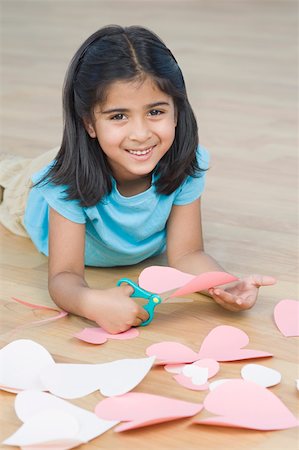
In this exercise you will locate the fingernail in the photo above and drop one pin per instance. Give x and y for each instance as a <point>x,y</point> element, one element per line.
<point>239,302</point>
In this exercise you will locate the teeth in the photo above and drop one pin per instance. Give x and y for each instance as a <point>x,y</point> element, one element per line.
<point>140,152</point>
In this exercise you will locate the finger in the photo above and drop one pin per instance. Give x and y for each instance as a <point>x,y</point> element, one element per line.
<point>226,297</point>
<point>264,280</point>
<point>127,289</point>
<point>143,314</point>
<point>225,305</point>
<point>137,322</point>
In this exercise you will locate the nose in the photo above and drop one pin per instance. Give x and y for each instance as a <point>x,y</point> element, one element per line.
<point>140,130</point>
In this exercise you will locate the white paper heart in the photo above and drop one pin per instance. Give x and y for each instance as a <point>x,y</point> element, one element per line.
<point>264,376</point>
<point>114,378</point>
<point>21,362</point>
<point>198,375</point>
<point>30,403</point>
<point>45,427</point>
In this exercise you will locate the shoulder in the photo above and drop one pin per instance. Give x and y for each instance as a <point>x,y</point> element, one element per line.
<point>203,157</point>
<point>193,186</point>
<point>55,196</point>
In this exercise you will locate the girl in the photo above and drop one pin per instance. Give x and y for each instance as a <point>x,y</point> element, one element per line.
<point>127,180</point>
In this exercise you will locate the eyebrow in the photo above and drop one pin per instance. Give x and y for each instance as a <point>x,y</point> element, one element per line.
<point>122,110</point>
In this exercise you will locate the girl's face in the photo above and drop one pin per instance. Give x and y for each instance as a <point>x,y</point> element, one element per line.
<point>135,127</point>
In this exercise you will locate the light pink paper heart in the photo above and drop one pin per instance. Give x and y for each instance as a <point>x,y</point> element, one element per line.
<point>139,409</point>
<point>160,279</point>
<point>172,353</point>
<point>186,381</point>
<point>203,282</point>
<point>244,404</point>
<point>225,343</point>
<point>97,335</point>
<point>286,316</point>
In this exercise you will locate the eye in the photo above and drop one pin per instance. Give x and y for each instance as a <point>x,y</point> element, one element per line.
<point>119,116</point>
<point>155,112</point>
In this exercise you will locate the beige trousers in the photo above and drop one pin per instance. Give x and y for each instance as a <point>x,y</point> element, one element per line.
<point>15,180</point>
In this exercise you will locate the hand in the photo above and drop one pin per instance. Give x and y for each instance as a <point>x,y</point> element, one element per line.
<point>114,310</point>
<point>243,294</point>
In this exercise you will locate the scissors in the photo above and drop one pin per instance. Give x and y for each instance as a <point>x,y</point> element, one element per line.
<point>153,299</point>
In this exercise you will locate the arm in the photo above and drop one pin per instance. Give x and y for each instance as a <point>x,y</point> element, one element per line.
<point>112,309</point>
<point>185,251</point>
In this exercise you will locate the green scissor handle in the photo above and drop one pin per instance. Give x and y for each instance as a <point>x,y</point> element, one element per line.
<point>153,299</point>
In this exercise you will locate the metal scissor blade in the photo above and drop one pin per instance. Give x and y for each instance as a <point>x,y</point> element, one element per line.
<point>165,296</point>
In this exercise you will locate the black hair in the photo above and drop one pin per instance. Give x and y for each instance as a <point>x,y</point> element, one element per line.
<point>111,54</point>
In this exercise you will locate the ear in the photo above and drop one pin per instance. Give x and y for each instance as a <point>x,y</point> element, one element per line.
<point>89,128</point>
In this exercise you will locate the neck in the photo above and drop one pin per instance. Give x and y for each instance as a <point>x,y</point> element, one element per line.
<point>128,188</point>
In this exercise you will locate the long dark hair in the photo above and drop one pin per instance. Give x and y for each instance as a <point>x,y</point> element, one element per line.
<point>115,53</point>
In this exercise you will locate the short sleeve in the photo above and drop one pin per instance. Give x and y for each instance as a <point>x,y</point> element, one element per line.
<point>56,198</point>
<point>193,187</point>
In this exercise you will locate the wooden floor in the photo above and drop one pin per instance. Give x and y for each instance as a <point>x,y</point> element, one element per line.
<point>240,60</point>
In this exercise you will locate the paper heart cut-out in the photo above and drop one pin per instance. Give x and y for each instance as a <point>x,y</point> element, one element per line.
<point>212,366</point>
<point>203,282</point>
<point>21,362</point>
<point>162,279</point>
<point>194,376</point>
<point>31,404</point>
<point>217,383</point>
<point>261,375</point>
<point>97,335</point>
<point>77,380</point>
<point>139,410</point>
<point>46,427</point>
<point>244,404</point>
<point>169,352</point>
<point>225,343</point>
<point>286,316</point>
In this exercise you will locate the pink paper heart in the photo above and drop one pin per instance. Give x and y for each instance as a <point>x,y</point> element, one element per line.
<point>185,381</point>
<point>203,282</point>
<point>245,404</point>
<point>139,409</point>
<point>97,335</point>
<point>225,343</point>
<point>162,279</point>
<point>172,353</point>
<point>286,316</point>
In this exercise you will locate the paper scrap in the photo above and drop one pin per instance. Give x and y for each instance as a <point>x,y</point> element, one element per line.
<point>195,376</point>
<point>97,335</point>
<point>223,343</point>
<point>264,376</point>
<point>244,404</point>
<point>139,409</point>
<point>77,380</point>
<point>161,279</point>
<point>286,316</point>
<point>51,421</point>
<point>21,362</point>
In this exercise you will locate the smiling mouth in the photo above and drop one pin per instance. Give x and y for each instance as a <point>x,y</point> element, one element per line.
<point>141,152</point>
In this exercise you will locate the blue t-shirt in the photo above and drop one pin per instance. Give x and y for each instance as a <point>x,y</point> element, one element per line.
<point>119,230</point>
